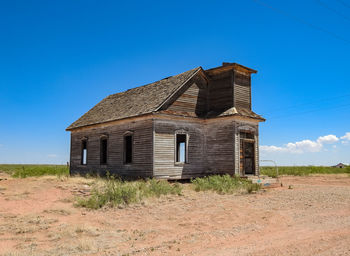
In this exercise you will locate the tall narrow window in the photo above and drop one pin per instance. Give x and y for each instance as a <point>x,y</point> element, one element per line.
<point>83,152</point>
<point>128,149</point>
<point>181,148</point>
<point>103,148</point>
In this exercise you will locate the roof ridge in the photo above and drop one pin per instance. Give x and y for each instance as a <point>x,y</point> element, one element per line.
<point>152,83</point>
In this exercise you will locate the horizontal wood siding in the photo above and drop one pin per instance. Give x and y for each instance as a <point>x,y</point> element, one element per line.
<point>221,92</point>
<point>192,100</point>
<point>164,151</point>
<point>142,165</point>
<point>242,90</point>
<point>192,97</point>
<point>220,147</point>
<point>213,147</point>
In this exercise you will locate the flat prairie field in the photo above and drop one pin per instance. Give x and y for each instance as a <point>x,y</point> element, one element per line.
<point>308,215</point>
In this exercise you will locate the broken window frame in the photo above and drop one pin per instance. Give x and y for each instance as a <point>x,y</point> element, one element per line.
<point>246,135</point>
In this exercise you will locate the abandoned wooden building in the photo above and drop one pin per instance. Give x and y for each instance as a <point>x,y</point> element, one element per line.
<point>193,124</point>
<point>340,165</point>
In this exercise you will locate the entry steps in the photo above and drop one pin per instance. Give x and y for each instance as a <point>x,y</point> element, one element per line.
<point>265,181</point>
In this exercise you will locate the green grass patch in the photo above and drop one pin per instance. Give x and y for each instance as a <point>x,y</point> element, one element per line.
<point>224,184</point>
<point>302,170</point>
<point>113,192</point>
<point>28,170</point>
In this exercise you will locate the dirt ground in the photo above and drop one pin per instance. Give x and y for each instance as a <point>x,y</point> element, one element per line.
<point>37,217</point>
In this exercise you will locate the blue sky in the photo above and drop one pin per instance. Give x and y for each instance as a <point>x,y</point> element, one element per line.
<point>59,58</point>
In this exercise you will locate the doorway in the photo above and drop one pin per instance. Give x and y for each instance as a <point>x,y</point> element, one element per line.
<point>247,159</point>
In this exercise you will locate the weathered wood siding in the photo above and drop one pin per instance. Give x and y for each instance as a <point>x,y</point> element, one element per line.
<point>220,146</point>
<point>213,147</point>
<point>221,91</point>
<point>164,150</point>
<point>142,165</point>
<point>242,90</point>
<point>191,98</point>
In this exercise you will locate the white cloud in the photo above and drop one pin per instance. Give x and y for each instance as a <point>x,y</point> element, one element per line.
<point>329,139</point>
<point>302,146</point>
<point>271,148</point>
<point>346,136</point>
<point>52,155</point>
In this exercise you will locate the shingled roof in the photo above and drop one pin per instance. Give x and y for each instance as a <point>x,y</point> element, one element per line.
<point>134,102</point>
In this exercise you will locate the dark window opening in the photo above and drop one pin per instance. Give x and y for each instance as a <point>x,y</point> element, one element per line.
<point>128,149</point>
<point>247,135</point>
<point>84,152</point>
<point>181,148</point>
<point>103,157</point>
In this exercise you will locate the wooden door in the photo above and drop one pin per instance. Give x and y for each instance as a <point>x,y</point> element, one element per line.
<point>247,160</point>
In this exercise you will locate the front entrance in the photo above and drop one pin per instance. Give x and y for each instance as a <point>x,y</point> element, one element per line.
<point>247,159</point>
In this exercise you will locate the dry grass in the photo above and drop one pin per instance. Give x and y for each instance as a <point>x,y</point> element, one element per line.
<point>62,212</point>
<point>27,170</point>
<point>224,184</point>
<point>114,192</point>
<point>302,170</point>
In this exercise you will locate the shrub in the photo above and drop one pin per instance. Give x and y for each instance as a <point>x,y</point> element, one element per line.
<point>115,192</point>
<point>224,184</point>
<point>162,187</point>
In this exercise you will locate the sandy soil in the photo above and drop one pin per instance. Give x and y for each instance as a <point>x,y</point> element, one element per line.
<point>37,217</point>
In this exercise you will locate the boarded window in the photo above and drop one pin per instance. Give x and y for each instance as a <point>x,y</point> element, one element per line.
<point>128,139</point>
<point>103,148</point>
<point>181,148</point>
<point>83,152</point>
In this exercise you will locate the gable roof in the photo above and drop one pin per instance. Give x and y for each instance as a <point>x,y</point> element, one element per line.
<point>134,102</point>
